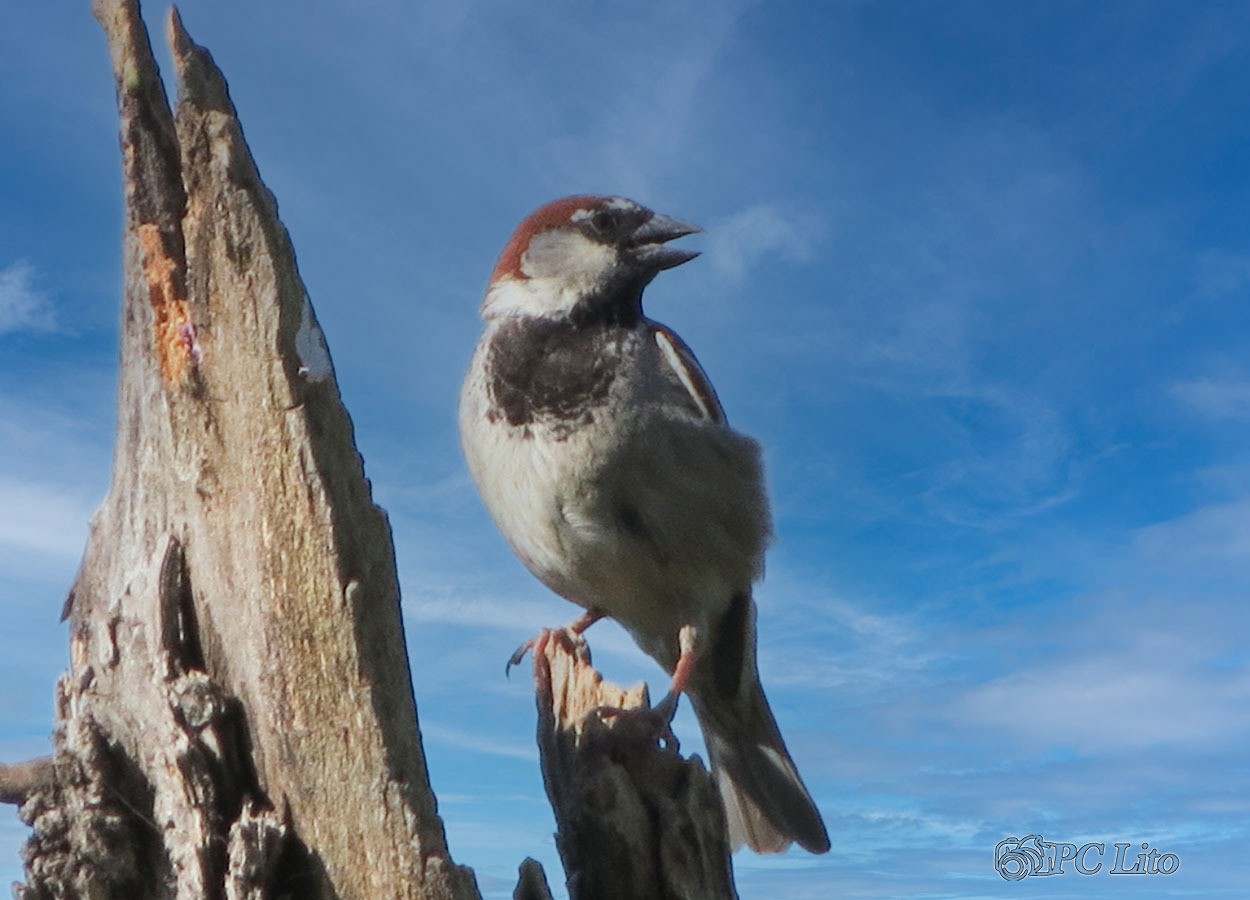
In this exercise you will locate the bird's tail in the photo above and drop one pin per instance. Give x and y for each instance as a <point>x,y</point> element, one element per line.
<point>767,806</point>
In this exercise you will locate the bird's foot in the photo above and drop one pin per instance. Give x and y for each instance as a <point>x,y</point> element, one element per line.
<point>565,635</point>
<point>653,725</point>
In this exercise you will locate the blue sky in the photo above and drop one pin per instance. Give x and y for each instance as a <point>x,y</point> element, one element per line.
<point>976,274</point>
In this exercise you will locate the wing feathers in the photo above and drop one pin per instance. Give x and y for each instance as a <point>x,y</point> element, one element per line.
<point>684,368</point>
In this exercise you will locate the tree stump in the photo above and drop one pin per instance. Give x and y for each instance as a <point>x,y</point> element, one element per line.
<point>238,718</point>
<point>635,820</point>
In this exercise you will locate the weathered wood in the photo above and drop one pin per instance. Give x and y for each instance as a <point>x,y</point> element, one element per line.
<point>636,821</point>
<point>237,720</point>
<point>532,881</point>
<point>19,780</point>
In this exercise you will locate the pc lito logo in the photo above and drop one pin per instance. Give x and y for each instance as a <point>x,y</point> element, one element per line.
<point>1014,857</point>
<point>1031,855</point>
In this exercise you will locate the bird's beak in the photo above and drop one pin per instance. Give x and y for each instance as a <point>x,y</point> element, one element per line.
<point>648,242</point>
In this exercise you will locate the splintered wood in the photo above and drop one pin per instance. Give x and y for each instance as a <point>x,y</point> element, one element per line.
<point>635,819</point>
<point>177,348</point>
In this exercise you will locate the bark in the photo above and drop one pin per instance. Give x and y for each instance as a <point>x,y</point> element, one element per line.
<point>20,780</point>
<point>636,821</point>
<point>237,720</point>
<point>532,883</point>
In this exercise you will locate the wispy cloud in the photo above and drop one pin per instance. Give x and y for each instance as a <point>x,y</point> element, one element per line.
<point>851,647</point>
<point>477,742</point>
<point>923,828</point>
<point>634,125</point>
<point>53,475</point>
<point>1113,703</point>
<point>1210,540</point>
<point>1006,454</point>
<point>743,240</point>
<point>450,607</point>
<point>22,307</point>
<point>521,617</point>
<point>1154,658</point>
<point>1215,398</point>
<point>46,519</point>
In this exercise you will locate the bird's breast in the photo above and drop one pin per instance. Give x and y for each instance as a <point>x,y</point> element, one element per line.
<point>553,372</point>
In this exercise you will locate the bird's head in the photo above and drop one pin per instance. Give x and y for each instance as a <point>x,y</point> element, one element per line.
<point>583,255</point>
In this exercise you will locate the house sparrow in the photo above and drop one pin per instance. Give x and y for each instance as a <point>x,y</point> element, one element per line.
<point>603,455</point>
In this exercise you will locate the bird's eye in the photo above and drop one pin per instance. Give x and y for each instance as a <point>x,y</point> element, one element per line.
<point>602,221</point>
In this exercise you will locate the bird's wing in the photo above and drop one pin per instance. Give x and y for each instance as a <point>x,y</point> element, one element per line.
<point>683,371</point>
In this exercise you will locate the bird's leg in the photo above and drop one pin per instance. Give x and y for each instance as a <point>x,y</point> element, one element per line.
<point>576,629</point>
<point>667,707</point>
<point>657,722</point>
<point>585,621</point>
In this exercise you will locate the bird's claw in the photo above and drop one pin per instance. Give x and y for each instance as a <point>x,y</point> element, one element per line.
<point>566,636</point>
<point>652,725</point>
<point>518,655</point>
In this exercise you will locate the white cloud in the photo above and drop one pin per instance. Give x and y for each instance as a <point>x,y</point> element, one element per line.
<point>746,238</point>
<point>632,126</point>
<point>1155,659</point>
<point>1009,455</point>
<point>845,646</point>
<point>924,827</point>
<point>1213,539</point>
<point>450,608</point>
<point>53,475</point>
<point>22,308</point>
<point>477,743</point>
<point>46,519</point>
<point>524,617</point>
<point>1134,700</point>
<point>1215,398</point>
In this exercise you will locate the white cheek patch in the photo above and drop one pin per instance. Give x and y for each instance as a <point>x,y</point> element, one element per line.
<point>567,255</point>
<point>558,268</point>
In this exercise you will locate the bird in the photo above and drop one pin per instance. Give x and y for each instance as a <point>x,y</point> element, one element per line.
<point>603,454</point>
